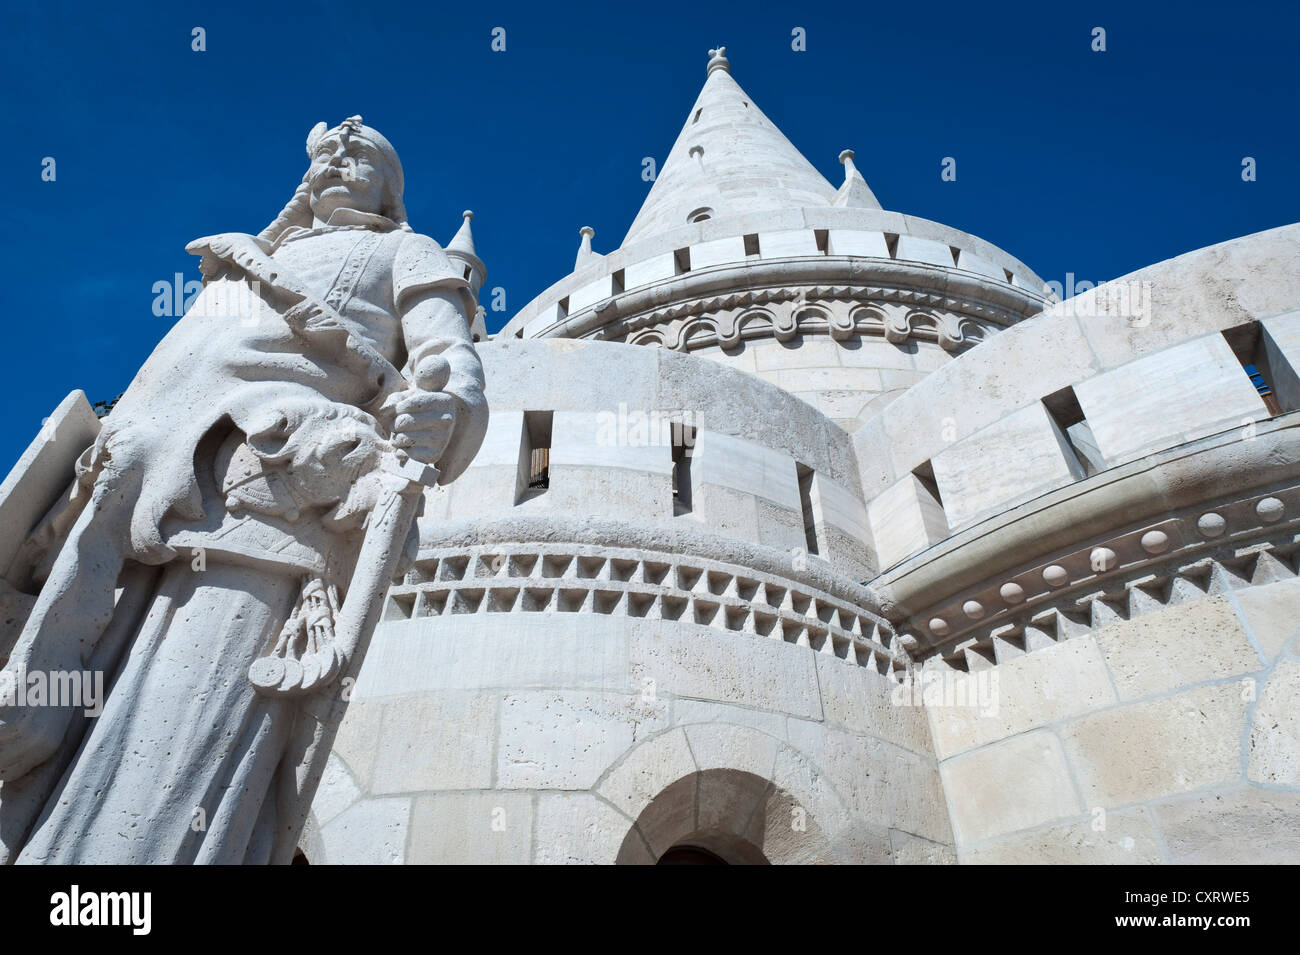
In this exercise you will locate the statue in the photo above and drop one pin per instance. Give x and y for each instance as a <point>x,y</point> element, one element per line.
<point>225,547</point>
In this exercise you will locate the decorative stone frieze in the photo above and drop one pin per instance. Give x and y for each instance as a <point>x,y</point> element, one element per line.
<point>1240,542</point>
<point>550,578</point>
<point>784,314</point>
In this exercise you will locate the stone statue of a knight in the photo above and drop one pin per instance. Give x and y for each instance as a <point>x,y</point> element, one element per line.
<point>225,546</point>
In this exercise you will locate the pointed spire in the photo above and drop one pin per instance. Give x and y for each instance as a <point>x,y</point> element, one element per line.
<point>461,249</point>
<point>855,193</point>
<point>729,159</point>
<point>464,239</point>
<point>585,255</point>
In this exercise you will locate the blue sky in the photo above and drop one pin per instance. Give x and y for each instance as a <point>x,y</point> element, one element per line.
<point>1074,161</point>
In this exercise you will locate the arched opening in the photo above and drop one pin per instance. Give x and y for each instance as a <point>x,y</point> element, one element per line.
<point>690,855</point>
<point>722,817</point>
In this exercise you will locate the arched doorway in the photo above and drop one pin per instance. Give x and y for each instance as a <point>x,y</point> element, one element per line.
<point>690,855</point>
<point>722,817</point>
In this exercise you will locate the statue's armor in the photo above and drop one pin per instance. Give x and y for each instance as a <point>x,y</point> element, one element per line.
<point>243,447</point>
<point>255,366</point>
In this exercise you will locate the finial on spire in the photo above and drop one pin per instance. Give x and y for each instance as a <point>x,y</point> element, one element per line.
<point>846,157</point>
<point>718,60</point>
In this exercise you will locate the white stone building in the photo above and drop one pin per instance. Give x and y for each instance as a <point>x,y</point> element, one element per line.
<point>806,531</point>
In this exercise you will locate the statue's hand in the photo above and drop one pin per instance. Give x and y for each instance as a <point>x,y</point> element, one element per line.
<point>425,415</point>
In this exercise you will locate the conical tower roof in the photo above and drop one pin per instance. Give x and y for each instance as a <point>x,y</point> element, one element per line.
<point>461,249</point>
<point>729,159</point>
<point>463,241</point>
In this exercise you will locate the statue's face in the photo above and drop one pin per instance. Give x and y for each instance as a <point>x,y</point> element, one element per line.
<point>346,173</point>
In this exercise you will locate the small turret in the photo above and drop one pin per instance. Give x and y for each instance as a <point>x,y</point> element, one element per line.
<point>461,251</point>
<point>585,254</point>
<point>854,193</point>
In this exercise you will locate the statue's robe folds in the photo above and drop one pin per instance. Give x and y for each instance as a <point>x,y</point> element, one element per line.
<point>232,470</point>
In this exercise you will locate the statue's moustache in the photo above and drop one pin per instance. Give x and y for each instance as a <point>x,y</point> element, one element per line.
<point>332,172</point>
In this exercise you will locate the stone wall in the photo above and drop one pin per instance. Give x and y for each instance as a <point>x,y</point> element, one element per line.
<point>848,381</point>
<point>585,676</point>
<point>612,409</point>
<point>1171,737</point>
<point>585,738</point>
<point>1146,363</point>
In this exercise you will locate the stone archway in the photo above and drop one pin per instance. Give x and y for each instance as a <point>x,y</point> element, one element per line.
<point>736,817</point>
<point>690,855</point>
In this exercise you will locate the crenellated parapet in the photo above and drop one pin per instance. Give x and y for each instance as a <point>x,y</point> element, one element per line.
<point>904,258</point>
<point>594,429</point>
<point>894,306</point>
<point>1113,456</point>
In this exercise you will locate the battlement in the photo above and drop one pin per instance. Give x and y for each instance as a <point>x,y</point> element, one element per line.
<point>1090,385</point>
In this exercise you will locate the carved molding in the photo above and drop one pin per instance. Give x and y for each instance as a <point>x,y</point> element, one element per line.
<point>756,282</point>
<point>558,579</point>
<point>784,313</point>
<point>803,315</point>
<point>1243,541</point>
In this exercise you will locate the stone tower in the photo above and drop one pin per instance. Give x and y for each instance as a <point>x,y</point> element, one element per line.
<point>764,560</point>
<point>806,531</point>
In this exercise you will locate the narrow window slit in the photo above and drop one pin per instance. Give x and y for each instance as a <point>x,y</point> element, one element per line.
<point>807,493</point>
<point>534,477</point>
<point>683,448</point>
<point>1075,434</point>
